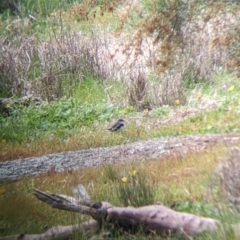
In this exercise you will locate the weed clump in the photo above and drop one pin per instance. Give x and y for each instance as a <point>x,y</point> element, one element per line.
<point>132,188</point>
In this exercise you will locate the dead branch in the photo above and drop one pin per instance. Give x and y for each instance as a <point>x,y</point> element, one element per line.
<point>59,232</point>
<point>152,218</point>
<point>70,204</point>
<point>155,218</point>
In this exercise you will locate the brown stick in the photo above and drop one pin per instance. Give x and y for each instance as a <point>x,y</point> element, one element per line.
<point>59,232</point>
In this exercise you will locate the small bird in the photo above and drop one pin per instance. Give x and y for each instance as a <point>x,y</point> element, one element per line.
<point>116,126</point>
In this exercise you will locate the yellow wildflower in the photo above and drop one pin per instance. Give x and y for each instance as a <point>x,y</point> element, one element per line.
<point>8,105</point>
<point>124,179</point>
<point>177,102</point>
<point>133,173</point>
<point>199,95</point>
<point>124,111</point>
<point>53,14</point>
<point>2,190</point>
<point>131,108</point>
<point>230,89</point>
<point>145,112</point>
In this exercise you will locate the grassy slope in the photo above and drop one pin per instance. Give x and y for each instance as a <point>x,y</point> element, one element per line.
<point>79,123</point>
<point>74,124</point>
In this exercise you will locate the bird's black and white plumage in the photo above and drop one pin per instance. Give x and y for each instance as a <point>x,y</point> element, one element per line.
<point>116,126</point>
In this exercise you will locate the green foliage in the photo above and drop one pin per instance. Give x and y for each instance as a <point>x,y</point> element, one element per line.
<point>190,80</point>
<point>39,7</point>
<point>162,112</point>
<point>91,90</point>
<point>198,208</point>
<point>57,118</point>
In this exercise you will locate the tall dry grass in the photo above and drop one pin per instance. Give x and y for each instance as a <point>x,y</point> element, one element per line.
<point>174,46</point>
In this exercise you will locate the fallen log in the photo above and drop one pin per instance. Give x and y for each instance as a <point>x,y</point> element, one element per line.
<point>152,218</point>
<point>155,219</point>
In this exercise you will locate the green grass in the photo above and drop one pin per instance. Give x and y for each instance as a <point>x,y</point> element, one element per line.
<point>31,123</point>
<point>90,91</point>
<point>41,8</point>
